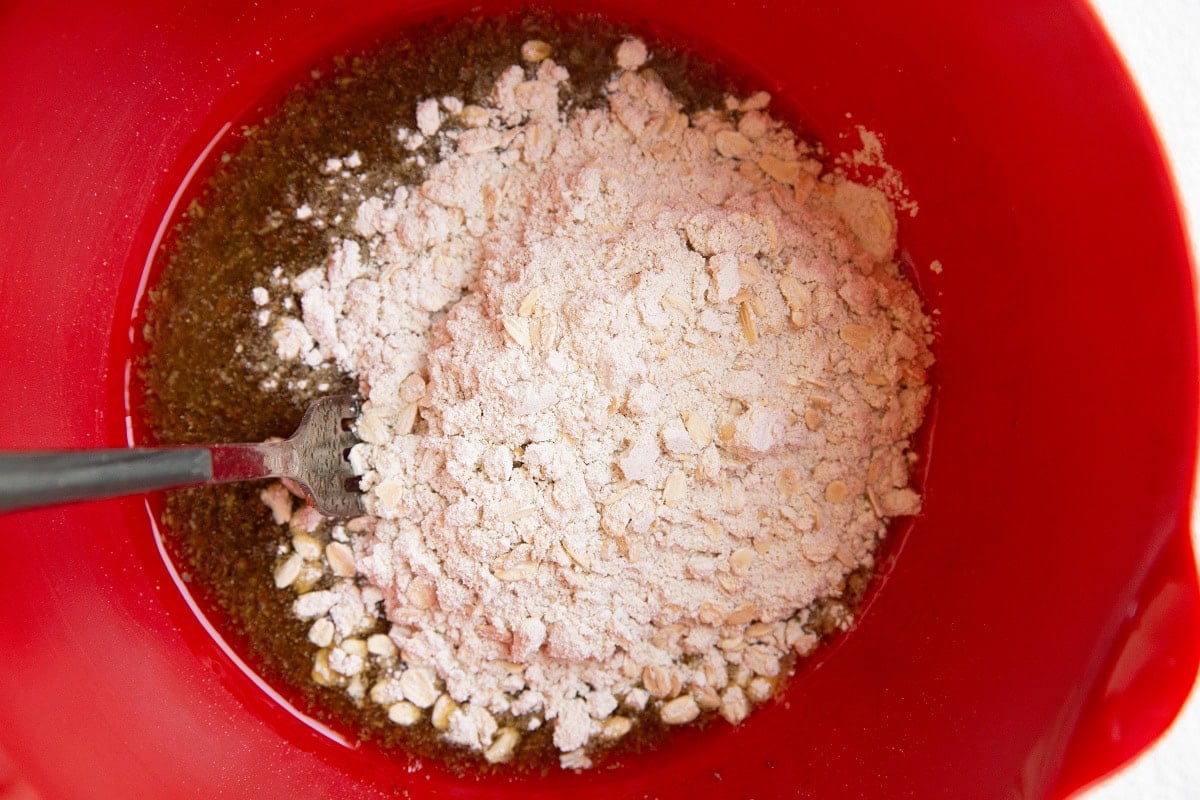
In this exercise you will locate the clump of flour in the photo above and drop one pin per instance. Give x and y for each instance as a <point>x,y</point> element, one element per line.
<point>638,390</point>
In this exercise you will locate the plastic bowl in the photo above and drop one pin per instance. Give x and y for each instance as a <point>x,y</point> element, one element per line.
<point>1038,624</point>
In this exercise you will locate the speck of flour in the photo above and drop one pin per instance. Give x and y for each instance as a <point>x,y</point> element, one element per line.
<point>638,393</point>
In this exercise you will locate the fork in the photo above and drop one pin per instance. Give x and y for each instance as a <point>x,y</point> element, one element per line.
<point>315,457</point>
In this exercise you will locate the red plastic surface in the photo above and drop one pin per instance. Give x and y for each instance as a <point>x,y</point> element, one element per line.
<point>1038,624</point>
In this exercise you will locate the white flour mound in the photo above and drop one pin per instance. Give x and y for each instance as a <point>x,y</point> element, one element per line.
<point>639,389</point>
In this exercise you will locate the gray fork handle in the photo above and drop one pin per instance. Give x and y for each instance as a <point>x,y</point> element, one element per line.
<point>39,478</point>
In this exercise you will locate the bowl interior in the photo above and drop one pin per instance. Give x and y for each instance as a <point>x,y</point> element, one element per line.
<point>1044,599</point>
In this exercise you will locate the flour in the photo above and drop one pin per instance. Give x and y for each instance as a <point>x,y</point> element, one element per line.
<point>638,393</point>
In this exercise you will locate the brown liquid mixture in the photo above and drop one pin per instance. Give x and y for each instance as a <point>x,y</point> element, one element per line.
<point>207,356</point>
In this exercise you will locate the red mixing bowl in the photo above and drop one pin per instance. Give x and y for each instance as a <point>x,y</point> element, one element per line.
<point>1037,625</point>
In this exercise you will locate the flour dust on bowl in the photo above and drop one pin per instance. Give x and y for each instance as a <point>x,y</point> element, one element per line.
<point>640,374</point>
<point>1031,627</point>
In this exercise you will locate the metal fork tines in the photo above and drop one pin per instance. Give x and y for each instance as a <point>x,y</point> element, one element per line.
<point>315,456</point>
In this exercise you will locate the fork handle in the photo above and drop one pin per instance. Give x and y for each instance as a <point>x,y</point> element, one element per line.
<point>38,478</point>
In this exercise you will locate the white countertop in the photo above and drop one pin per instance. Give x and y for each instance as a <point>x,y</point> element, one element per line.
<point>1159,39</point>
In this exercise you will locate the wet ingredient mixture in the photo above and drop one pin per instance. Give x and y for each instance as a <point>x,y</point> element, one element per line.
<point>639,386</point>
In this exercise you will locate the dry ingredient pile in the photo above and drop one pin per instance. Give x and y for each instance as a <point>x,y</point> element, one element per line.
<point>638,392</point>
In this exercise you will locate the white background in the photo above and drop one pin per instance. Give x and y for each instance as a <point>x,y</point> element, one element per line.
<point>1158,39</point>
